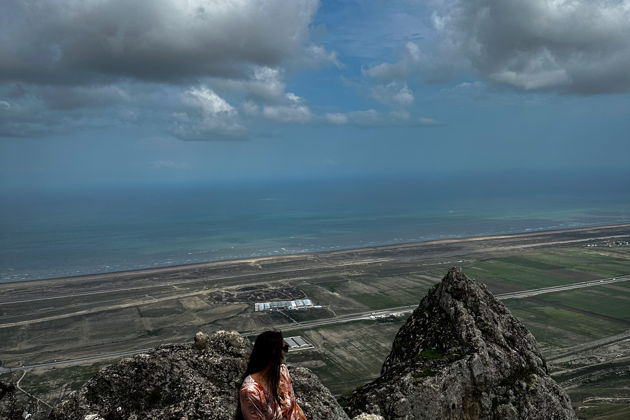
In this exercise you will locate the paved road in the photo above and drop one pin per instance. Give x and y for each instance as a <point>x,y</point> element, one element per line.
<point>369,315</point>
<point>589,346</point>
<point>584,373</point>
<point>552,289</point>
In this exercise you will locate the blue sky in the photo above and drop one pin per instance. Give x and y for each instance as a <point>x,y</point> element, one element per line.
<point>116,93</point>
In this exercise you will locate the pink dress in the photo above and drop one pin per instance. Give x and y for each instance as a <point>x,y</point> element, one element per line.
<point>257,404</point>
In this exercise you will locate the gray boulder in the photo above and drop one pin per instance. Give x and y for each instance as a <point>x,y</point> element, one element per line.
<point>201,340</point>
<point>463,355</point>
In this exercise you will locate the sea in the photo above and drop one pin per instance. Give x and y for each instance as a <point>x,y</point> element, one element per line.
<point>48,233</point>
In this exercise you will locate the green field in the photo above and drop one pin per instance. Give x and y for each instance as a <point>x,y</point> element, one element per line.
<point>558,328</point>
<point>610,301</point>
<point>555,266</point>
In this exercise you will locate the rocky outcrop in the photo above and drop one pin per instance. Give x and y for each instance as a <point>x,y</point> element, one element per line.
<point>462,355</point>
<point>196,381</point>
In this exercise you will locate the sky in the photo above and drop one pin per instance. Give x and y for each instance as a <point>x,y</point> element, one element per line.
<point>112,93</point>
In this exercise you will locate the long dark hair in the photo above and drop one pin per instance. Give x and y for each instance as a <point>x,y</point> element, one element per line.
<point>267,349</point>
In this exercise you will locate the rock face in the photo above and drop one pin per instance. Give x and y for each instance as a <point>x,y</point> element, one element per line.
<point>196,381</point>
<point>462,355</point>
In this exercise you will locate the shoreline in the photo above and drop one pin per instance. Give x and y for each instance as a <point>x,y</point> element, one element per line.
<point>306,255</point>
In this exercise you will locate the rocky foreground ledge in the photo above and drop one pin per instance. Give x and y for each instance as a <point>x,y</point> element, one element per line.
<point>196,381</point>
<point>460,355</point>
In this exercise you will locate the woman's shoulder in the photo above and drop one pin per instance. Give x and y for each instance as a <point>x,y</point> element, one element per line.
<point>249,385</point>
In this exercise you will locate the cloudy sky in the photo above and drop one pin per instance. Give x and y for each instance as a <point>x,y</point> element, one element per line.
<point>113,92</point>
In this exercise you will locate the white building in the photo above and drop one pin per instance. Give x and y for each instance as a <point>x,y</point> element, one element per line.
<point>283,304</point>
<point>298,343</point>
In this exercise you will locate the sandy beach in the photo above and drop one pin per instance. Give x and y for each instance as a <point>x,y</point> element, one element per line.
<point>236,268</point>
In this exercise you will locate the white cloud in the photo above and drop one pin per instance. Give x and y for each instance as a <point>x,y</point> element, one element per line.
<point>209,102</point>
<point>289,108</point>
<point>266,97</point>
<point>401,69</point>
<point>420,61</point>
<point>263,83</point>
<point>374,118</point>
<point>316,56</point>
<point>534,79</point>
<point>336,118</point>
<point>570,46</point>
<point>367,117</point>
<point>393,93</point>
<point>207,116</point>
<point>469,86</point>
<point>293,110</point>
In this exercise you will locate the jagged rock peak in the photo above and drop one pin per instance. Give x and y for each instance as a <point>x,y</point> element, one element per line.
<point>185,381</point>
<point>463,355</point>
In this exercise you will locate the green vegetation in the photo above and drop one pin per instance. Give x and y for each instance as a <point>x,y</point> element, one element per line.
<point>346,355</point>
<point>305,315</point>
<point>531,261</point>
<point>554,266</point>
<point>603,300</point>
<point>379,301</point>
<point>424,373</point>
<point>560,327</point>
<point>333,286</point>
<point>344,399</point>
<point>431,354</point>
<point>504,271</point>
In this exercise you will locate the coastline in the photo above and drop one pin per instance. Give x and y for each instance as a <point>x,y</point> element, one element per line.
<point>253,261</point>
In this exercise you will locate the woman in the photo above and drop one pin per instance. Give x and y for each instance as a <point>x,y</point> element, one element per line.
<point>266,392</point>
